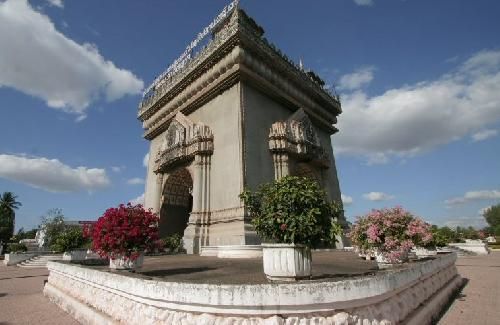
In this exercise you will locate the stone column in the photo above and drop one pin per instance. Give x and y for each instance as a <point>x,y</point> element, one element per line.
<point>281,165</point>
<point>152,196</point>
<point>158,194</point>
<point>196,233</point>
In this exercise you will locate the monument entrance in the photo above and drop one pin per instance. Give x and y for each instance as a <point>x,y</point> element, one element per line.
<point>229,115</point>
<point>177,203</point>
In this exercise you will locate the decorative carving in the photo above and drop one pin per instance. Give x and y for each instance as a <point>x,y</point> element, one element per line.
<point>297,137</point>
<point>183,140</point>
<point>178,188</point>
<point>114,297</point>
<point>179,63</point>
<point>235,32</point>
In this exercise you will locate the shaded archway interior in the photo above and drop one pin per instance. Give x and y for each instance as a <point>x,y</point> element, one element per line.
<point>177,203</point>
<point>303,169</point>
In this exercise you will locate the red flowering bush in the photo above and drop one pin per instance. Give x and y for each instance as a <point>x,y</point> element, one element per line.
<point>127,231</point>
<point>391,232</point>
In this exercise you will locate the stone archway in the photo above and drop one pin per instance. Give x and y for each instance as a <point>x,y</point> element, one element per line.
<point>302,169</point>
<point>177,202</point>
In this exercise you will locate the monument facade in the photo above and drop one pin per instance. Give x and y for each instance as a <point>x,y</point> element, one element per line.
<point>229,115</point>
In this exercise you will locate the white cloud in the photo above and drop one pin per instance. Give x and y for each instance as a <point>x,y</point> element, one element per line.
<point>378,196</point>
<point>378,158</point>
<point>483,210</point>
<point>51,174</point>
<point>474,196</point>
<point>483,195</point>
<point>145,160</point>
<point>117,169</point>
<point>406,121</point>
<point>346,200</point>
<point>455,201</point>
<point>135,181</point>
<point>364,2</point>
<point>357,79</point>
<point>41,61</point>
<point>138,200</point>
<point>476,222</point>
<point>483,135</point>
<point>56,3</point>
<point>80,118</point>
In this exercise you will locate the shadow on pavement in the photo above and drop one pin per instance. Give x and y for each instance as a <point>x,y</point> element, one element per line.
<point>457,296</point>
<point>176,271</point>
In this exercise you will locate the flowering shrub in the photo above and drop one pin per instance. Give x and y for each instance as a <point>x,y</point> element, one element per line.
<point>391,232</point>
<point>125,231</point>
<point>293,210</point>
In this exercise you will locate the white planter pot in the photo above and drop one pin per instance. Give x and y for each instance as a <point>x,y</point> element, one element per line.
<point>383,262</point>
<point>120,263</point>
<point>286,262</point>
<point>75,255</point>
<point>90,255</point>
<point>425,252</point>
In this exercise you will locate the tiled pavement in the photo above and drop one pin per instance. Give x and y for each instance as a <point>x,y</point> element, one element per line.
<point>22,301</point>
<point>479,301</point>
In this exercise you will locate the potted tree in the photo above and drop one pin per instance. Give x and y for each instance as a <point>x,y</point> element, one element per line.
<point>124,234</point>
<point>389,234</point>
<point>291,215</point>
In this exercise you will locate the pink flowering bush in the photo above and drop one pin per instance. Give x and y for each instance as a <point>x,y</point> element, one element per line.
<point>390,232</point>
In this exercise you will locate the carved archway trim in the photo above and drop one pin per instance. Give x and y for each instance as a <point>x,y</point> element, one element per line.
<point>183,140</point>
<point>296,137</point>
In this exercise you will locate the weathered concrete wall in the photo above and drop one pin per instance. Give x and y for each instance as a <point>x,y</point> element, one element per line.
<point>260,112</point>
<point>330,175</point>
<point>411,295</point>
<point>13,259</point>
<point>222,115</point>
<point>477,247</point>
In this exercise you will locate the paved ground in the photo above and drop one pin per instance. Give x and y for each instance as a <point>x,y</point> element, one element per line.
<point>22,301</point>
<point>328,266</point>
<point>479,301</point>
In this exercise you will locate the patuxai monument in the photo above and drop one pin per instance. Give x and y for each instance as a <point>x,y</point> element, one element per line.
<point>232,112</point>
<point>243,220</point>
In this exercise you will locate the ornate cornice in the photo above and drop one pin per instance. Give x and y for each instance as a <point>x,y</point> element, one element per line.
<point>237,51</point>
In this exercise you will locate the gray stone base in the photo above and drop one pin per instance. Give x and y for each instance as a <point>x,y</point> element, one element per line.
<point>232,251</point>
<point>414,294</point>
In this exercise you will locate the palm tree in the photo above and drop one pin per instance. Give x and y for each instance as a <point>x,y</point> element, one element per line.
<point>8,205</point>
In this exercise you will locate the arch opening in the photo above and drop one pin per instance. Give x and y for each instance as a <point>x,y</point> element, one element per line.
<point>177,203</point>
<point>306,170</point>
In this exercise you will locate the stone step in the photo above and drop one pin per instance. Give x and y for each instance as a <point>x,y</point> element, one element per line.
<point>40,261</point>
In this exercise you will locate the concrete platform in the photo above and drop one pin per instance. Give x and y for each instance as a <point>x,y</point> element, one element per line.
<point>327,266</point>
<point>197,290</point>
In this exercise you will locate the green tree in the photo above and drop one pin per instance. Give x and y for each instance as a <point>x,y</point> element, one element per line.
<point>52,225</point>
<point>69,239</point>
<point>492,216</point>
<point>443,236</point>
<point>8,205</point>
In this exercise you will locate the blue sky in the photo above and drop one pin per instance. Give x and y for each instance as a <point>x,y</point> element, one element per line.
<point>419,83</point>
